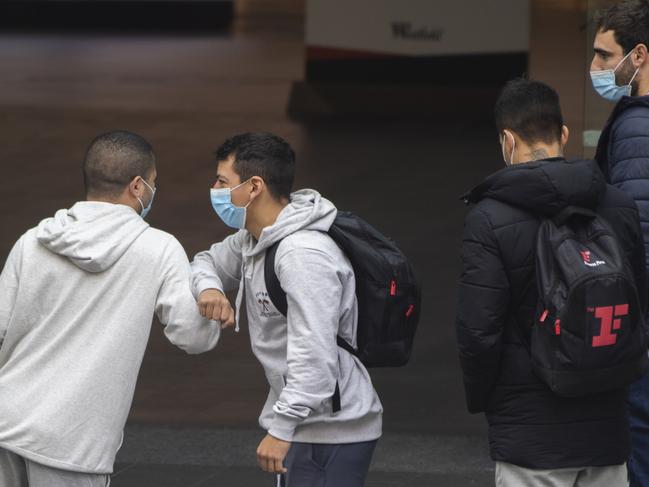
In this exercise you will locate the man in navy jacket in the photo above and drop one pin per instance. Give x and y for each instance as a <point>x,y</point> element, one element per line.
<point>620,73</point>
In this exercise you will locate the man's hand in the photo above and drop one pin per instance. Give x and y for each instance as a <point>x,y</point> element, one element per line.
<point>213,305</point>
<point>271,453</point>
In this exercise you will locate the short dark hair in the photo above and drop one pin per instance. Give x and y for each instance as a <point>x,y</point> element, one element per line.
<point>531,109</point>
<point>113,160</point>
<point>262,154</point>
<point>629,21</point>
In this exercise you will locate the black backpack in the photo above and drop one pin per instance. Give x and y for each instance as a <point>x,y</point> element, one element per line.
<point>589,335</point>
<point>389,297</point>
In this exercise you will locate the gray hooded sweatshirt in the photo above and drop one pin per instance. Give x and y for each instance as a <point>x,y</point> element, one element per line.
<point>77,297</point>
<point>299,354</point>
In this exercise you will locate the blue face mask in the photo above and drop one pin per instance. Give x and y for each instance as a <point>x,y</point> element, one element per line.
<point>145,210</point>
<point>232,215</point>
<point>605,84</point>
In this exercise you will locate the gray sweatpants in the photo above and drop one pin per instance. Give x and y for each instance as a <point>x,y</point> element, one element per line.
<point>320,465</point>
<point>16,471</point>
<point>508,475</point>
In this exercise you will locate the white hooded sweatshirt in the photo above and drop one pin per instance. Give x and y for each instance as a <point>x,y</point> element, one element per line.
<point>299,353</point>
<point>77,297</point>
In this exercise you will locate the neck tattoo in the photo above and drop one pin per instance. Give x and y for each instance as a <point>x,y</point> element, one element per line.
<point>538,154</point>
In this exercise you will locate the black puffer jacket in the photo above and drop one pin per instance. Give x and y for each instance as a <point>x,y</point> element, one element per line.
<point>528,424</point>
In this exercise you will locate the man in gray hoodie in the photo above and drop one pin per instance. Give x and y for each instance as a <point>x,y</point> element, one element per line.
<point>308,441</point>
<point>77,296</point>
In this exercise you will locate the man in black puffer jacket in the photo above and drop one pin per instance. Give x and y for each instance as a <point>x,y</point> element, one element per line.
<point>536,437</point>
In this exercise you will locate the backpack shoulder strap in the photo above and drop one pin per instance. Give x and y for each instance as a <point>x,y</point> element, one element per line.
<point>278,297</point>
<point>342,343</point>
<point>275,291</point>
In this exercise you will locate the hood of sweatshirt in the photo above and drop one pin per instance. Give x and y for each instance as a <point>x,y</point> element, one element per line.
<point>307,210</point>
<point>92,235</point>
<point>544,187</point>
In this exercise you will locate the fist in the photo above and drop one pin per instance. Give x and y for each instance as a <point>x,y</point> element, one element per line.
<point>271,453</point>
<point>213,305</point>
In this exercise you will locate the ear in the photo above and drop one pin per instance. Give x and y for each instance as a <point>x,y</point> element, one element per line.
<point>640,55</point>
<point>257,185</point>
<point>136,187</point>
<point>565,135</point>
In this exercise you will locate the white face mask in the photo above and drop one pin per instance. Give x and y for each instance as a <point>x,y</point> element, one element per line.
<point>502,144</point>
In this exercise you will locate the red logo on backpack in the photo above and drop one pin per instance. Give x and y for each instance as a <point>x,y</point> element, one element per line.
<point>606,315</point>
<point>586,255</point>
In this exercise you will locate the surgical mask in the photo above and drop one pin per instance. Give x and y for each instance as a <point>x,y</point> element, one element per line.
<point>604,83</point>
<point>145,210</point>
<point>502,144</point>
<point>232,215</point>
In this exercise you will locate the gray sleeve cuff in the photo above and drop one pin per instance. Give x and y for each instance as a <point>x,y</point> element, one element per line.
<point>206,283</point>
<point>283,427</point>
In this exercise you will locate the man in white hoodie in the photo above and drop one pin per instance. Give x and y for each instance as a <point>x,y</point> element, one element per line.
<point>309,440</point>
<point>77,297</point>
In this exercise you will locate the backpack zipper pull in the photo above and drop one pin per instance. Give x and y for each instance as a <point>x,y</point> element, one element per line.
<point>543,316</point>
<point>411,308</point>
<point>557,327</point>
<point>393,287</point>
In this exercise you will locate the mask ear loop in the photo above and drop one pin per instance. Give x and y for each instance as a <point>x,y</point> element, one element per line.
<point>238,186</point>
<point>250,200</point>
<point>633,77</point>
<point>622,60</point>
<point>511,157</point>
<point>140,199</point>
<point>634,74</point>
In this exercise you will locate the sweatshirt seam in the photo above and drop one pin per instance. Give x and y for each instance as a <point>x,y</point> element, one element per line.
<point>291,247</point>
<point>294,249</point>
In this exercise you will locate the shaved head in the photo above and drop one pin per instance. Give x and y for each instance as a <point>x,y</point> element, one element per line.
<point>113,160</point>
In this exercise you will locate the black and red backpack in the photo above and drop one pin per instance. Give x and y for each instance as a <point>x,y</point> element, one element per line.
<point>389,297</point>
<point>589,334</point>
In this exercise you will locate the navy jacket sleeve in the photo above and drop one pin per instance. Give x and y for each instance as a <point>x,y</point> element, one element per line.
<point>636,257</point>
<point>637,260</point>
<point>482,308</point>
<point>628,162</point>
